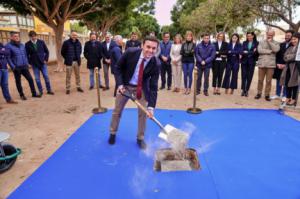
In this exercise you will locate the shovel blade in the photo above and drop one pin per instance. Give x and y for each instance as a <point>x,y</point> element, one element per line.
<point>171,135</point>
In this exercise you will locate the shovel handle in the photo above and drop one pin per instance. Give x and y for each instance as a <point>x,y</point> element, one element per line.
<point>140,106</point>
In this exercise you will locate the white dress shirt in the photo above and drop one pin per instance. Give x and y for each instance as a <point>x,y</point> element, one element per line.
<point>135,77</point>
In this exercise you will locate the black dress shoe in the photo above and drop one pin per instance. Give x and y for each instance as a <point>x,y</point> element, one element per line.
<point>198,93</point>
<point>246,94</point>
<point>50,93</point>
<point>68,92</point>
<point>91,87</point>
<point>141,143</point>
<point>169,88</point>
<point>101,86</point>
<point>79,90</point>
<point>162,88</point>
<point>23,97</point>
<point>206,93</point>
<point>267,98</point>
<point>243,93</point>
<point>258,96</point>
<point>36,96</point>
<point>112,139</point>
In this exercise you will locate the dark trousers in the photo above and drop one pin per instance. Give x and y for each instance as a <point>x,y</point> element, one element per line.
<point>25,72</point>
<point>232,70</point>
<point>247,75</point>
<point>166,69</point>
<point>201,72</point>
<point>291,92</point>
<point>218,72</point>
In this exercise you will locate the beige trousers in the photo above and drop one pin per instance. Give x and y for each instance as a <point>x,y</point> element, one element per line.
<point>76,68</point>
<point>262,73</point>
<point>120,103</point>
<point>177,74</point>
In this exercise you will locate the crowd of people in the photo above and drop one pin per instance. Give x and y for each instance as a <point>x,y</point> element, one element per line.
<point>177,58</point>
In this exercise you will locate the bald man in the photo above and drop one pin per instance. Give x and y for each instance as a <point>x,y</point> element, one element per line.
<point>267,50</point>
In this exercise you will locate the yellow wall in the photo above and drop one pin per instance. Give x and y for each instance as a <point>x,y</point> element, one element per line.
<point>42,28</point>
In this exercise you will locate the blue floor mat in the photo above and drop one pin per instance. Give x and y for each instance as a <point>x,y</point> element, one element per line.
<point>244,154</point>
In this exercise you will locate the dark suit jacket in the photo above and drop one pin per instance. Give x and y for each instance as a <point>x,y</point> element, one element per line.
<point>131,43</point>
<point>234,53</point>
<point>125,69</point>
<point>280,60</point>
<point>37,57</point>
<point>115,55</point>
<point>93,54</point>
<point>251,57</point>
<point>105,52</point>
<point>223,51</point>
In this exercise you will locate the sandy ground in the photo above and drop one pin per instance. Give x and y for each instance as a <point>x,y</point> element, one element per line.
<point>41,126</point>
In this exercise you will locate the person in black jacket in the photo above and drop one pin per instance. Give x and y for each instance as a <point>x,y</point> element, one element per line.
<point>71,51</point>
<point>280,64</point>
<point>38,55</point>
<point>137,71</point>
<point>133,42</point>
<point>93,54</point>
<point>188,61</point>
<point>219,63</point>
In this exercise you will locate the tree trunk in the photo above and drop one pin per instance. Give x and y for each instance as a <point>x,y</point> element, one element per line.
<point>58,44</point>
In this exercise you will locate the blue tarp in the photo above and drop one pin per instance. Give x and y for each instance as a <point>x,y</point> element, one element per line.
<point>244,154</point>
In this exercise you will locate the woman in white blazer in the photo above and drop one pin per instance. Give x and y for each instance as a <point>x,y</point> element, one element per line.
<point>176,62</point>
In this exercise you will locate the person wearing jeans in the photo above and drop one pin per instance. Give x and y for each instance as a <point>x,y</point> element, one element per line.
<point>93,54</point>
<point>4,53</point>
<point>188,61</point>
<point>280,64</point>
<point>205,54</point>
<point>18,62</point>
<point>38,55</point>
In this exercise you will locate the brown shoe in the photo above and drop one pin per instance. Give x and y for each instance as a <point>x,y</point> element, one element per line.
<point>12,102</point>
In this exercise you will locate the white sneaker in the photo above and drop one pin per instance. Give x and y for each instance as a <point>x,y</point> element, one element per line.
<point>274,97</point>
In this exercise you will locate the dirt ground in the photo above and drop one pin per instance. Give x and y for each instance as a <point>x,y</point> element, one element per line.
<point>41,126</point>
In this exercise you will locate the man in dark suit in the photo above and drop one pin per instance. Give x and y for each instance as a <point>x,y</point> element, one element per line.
<point>137,71</point>
<point>165,58</point>
<point>38,55</point>
<point>107,45</point>
<point>133,42</point>
<point>280,64</point>
<point>93,54</point>
<point>115,55</point>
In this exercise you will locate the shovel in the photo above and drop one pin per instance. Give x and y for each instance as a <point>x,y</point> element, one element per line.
<point>170,134</point>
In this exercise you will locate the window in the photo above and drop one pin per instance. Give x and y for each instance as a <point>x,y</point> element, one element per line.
<point>4,37</point>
